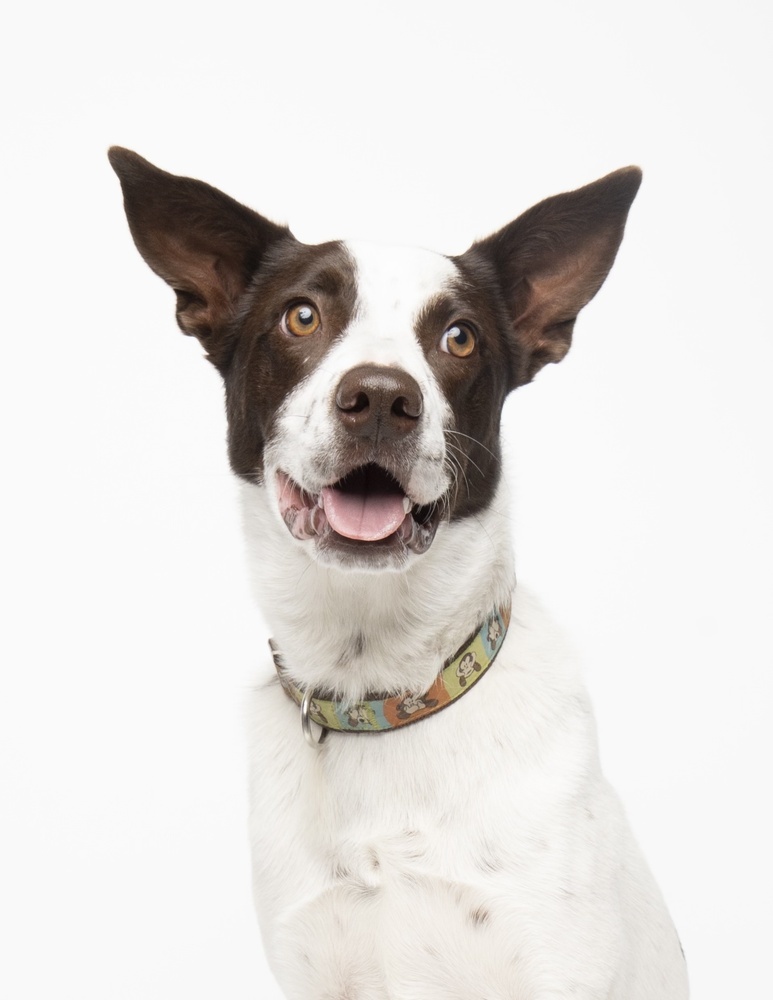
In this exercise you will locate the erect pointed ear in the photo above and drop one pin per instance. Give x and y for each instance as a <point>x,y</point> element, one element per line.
<point>201,242</point>
<point>552,260</point>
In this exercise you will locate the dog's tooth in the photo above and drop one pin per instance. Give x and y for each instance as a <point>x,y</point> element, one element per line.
<point>317,520</point>
<point>299,526</point>
<point>302,528</point>
<point>407,505</point>
<point>406,529</point>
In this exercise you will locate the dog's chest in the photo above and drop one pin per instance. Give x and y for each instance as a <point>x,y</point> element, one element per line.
<point>391,858</point>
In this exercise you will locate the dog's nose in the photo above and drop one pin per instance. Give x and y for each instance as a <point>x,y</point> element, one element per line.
<point>378,402</point>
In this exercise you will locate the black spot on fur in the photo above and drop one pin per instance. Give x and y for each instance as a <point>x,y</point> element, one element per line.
<point>479,917</point>
<point>488,863</point>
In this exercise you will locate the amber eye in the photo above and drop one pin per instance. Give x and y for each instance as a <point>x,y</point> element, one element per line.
<point>301,320</point>
<point>458,340</point>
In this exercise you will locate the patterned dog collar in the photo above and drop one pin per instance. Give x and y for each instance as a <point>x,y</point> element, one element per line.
<point>376,713</point>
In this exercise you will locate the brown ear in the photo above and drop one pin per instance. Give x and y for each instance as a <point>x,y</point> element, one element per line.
<point>201,242</point>
<point>552,260</point>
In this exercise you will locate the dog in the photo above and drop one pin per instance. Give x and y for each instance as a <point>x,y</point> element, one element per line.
<point>448,832</point>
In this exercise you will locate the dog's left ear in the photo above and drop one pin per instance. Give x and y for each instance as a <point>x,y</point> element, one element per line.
<point>552,260</point>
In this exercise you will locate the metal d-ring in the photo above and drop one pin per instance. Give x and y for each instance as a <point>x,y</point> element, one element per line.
<point>308,733</point>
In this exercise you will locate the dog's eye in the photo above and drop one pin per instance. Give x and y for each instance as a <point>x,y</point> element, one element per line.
<point>301,320</point>
<point>458,340</point>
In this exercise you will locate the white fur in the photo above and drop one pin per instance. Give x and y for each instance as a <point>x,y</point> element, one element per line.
<point>478,854</point>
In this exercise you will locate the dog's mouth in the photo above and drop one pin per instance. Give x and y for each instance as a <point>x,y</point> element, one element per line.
<point>367,508</point>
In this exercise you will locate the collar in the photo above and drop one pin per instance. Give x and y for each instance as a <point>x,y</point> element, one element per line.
<point>378,713</point>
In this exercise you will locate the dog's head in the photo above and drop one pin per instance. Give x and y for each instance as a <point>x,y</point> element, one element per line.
<point>364,385</point>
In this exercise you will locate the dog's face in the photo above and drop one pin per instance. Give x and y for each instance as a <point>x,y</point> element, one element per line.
<point>366,368</point>
<point>364,385</point>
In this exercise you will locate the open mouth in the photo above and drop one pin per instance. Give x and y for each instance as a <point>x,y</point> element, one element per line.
<point>366,508</point>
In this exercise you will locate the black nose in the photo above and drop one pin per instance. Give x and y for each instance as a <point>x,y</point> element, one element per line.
<point>377,402</point>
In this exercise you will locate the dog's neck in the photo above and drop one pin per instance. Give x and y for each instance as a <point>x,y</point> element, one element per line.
<point>353,633</point>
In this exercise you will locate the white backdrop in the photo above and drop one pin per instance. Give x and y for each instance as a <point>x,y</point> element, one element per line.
<point>641,464</point>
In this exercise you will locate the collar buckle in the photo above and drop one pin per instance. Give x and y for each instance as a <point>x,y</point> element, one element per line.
<point>308,732</point>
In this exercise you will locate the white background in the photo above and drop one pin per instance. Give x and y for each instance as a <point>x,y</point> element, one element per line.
<point>641,464</point>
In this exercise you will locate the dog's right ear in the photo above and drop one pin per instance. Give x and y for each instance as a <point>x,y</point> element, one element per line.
<point>201,242</point>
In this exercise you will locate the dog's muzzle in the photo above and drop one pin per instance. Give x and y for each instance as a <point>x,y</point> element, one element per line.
<point>366,515</point>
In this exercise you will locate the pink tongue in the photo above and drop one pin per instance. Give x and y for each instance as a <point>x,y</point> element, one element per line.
<point>364,516</point>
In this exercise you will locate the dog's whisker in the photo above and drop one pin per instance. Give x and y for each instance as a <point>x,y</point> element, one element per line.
<point>468,460</point>
<point>475,440</point>
<point>460,472</point>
